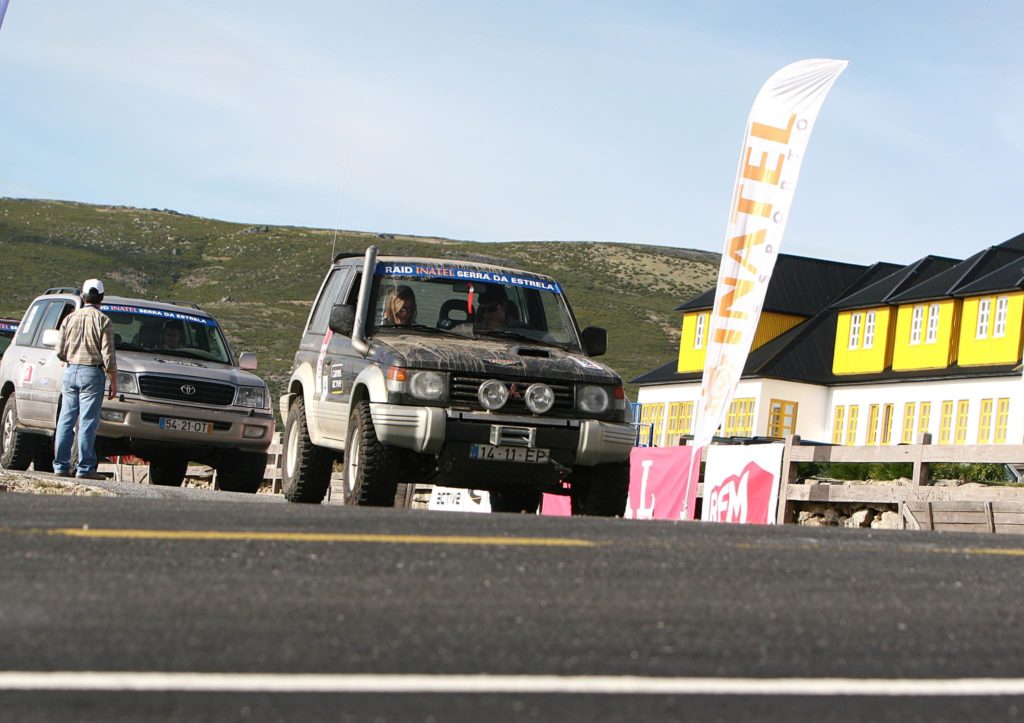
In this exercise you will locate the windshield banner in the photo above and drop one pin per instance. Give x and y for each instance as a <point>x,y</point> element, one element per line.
<point>157,313</point>
<point>454,272</point>
<point>6,326</point>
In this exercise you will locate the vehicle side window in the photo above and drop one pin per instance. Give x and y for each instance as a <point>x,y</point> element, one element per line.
<point>28,327</point>
<point>52,317</point>
<point>329,296</point>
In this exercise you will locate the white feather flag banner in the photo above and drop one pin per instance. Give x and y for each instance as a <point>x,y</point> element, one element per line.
<point>778,129</point>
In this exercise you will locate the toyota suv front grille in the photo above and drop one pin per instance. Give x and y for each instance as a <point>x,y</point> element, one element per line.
<point>186,390</point>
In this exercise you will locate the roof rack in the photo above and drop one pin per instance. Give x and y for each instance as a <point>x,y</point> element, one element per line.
<point>190,304</point>
<point>63,290</point>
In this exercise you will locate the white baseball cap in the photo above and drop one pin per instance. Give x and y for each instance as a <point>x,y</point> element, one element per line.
<point>92,285</point>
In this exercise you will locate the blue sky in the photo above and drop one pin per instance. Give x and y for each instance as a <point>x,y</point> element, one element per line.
<point>487,121</point>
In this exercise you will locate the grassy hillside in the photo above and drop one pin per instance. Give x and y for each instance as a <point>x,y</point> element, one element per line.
<point>259,280</point>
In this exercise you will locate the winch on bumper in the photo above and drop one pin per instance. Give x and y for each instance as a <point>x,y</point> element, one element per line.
<point>455,435</point>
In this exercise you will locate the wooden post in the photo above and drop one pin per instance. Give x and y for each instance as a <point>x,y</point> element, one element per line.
<point>921,468</point>
<point>990,516</point>
<point>788,476</point>
<point>929,519</point>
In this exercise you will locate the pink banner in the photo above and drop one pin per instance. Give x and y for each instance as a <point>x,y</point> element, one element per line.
<point>741,484</point>
<point>556,505</point>
<point>657,482</point>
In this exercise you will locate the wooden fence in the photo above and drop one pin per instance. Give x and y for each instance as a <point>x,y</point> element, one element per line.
<point>921,505</point>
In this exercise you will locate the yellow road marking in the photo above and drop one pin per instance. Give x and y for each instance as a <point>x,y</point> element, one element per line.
<point>314,537</point>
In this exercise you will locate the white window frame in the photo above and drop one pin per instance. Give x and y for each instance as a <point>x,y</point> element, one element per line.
<point>1002,310</point>
<point>698,333</point>
<point>932,334</point>
<point>869,330</point>
<point>916,322</point>
<point>854,340</point>
<point>984,311</point>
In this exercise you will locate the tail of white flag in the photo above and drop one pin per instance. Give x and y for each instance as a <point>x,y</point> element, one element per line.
<point>778,129</point>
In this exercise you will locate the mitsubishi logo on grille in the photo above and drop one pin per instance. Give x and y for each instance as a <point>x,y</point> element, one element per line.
<point>188,389</point>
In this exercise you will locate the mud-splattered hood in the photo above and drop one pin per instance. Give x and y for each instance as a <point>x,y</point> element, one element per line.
<point>500,358</point>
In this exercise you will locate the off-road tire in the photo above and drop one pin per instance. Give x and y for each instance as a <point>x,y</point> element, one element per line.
<point>241,471</point>
<point>16,448</point>
<point>601,490</point>
<point>370,474</point>
<point>516,500</point>
<point>168,471</point>
<point>305,467</point>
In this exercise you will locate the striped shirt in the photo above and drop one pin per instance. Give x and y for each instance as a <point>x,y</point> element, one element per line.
<point>87,337</point>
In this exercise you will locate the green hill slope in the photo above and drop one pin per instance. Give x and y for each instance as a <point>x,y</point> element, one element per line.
<point>259,280</point>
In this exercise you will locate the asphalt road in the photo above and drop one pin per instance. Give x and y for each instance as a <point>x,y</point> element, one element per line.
<point>181,606</point>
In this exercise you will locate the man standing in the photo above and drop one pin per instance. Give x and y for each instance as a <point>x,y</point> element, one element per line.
<point>87,346</point>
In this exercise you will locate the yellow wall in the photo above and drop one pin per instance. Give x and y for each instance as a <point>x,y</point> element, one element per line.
<point>936,355</point>
<point>991,349</point>
<point>690,359</point>
<point>769,326</point>
<point>860,360</point>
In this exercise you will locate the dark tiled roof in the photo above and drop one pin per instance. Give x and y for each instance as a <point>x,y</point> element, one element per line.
<point>1007,278</point>
<point>879,293</point>
<point>803,353</point>
<point>1016,243</point>
<point>950,281</point>
<point>800,286</point>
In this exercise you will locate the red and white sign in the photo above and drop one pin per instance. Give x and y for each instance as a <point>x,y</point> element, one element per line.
<point>741,484</point>
<point>658,482</point>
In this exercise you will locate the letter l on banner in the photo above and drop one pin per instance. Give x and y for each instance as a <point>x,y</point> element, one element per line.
<point>778,129</point>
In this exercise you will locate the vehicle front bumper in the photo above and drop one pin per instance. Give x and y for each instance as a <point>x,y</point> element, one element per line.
<point>430,429</point>
<point>248,430</point>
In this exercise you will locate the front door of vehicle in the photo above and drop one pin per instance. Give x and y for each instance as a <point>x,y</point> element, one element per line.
<point>50,370</point>
<point>322,349</point>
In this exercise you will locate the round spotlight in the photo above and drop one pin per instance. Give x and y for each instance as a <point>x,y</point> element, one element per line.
<point>492,394</point>
<point>539,398</point>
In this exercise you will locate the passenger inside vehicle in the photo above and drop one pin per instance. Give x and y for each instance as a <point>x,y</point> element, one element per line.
<point>400,306</point>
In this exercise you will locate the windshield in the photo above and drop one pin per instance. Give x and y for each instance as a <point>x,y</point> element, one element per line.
<point>472,303</point>
<point>169,333</point>
<point>7,329</point>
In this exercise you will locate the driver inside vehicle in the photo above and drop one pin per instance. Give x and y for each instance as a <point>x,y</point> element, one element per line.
<point>400,306</point>
<point>493,310</point>
<point>172,336</point>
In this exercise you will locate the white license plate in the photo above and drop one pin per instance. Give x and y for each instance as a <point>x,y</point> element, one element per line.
<point>185,425</point>
<point>491,453</point>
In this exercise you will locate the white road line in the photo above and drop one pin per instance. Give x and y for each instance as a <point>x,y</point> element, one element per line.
<point>519,684</point>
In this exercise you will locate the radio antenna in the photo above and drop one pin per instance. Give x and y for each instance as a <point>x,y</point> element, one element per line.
<point>341,197</point>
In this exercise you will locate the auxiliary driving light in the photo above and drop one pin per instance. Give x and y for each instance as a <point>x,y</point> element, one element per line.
<point>492,394</point>
<point>539,398</point>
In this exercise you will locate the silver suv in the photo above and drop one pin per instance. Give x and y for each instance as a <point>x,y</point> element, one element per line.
<point>182,395</point>
<point>464,374</point>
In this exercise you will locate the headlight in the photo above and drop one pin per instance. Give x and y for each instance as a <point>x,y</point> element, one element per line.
<point>427,385</point>
<point>251,397</point>
<point>127,383</point>
<point>492,394</point>
<point>592,399</point>
<point>539,398</point>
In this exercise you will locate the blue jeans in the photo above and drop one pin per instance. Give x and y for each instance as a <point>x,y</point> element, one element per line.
<point>81,399</point>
